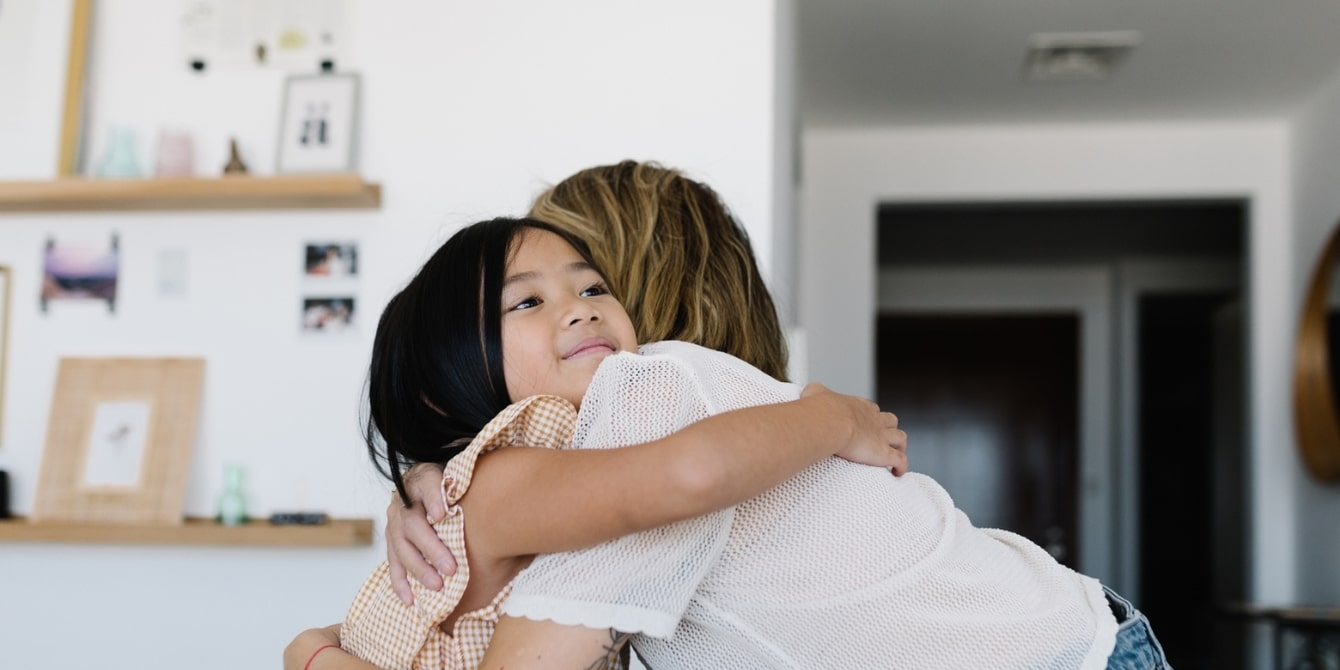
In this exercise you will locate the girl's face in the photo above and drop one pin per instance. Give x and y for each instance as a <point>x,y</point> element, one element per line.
<point>558,320</point>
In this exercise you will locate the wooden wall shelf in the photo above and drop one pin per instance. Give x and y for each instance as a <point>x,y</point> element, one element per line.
<point>242,192</point>
<point>333,533</point>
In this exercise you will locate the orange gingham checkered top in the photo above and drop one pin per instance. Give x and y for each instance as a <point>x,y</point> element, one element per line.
<point>382,630</point>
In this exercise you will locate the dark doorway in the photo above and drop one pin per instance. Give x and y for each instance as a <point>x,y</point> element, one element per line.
<point>1179,381</point>
<point>993,404</point>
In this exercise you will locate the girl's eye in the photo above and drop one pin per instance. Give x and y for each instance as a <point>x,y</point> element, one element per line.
<point>595,290</point>
<point>526,304</point>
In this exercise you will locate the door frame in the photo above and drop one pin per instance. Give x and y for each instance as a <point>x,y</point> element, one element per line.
<point>1086,290</point>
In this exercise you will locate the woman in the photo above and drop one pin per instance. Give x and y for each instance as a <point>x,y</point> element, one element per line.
<point>520,641</point>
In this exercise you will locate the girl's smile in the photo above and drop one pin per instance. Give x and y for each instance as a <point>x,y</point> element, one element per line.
<point>559,320</point>
<point>591,346</point>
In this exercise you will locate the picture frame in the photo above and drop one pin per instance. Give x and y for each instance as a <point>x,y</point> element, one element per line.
<point>74,108</point>
<point>318,131</point>
<point>119,440</point>
<point>4,342</point>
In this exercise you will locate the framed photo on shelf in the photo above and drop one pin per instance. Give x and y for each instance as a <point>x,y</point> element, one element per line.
<point>119,440</point>
<point>318,129</point>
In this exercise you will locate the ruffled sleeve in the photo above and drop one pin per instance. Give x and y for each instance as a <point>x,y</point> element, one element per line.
<point>382,630</point>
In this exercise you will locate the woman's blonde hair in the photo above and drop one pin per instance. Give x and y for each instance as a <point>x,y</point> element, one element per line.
<point>675,257</point>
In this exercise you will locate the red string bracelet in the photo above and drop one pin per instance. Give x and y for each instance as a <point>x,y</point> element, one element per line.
<point>313,656</point>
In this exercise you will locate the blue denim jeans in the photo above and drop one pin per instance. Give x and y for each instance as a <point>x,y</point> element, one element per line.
<point>1136,648</point>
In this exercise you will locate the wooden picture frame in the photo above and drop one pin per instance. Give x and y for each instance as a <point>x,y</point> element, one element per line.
<point>119,440</point>
<point>5,278</point>
<point>73,112</point>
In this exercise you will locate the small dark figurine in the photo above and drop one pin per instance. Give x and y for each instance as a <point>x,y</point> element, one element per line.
<point>4,495</point>
<point>235,164</point>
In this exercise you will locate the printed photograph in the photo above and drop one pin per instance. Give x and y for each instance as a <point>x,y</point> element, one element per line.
<point>324,315</point>
<point>80,271</point>
<point>333,259</point>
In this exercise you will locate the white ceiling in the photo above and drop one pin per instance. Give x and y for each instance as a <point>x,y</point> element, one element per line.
<point>921,62</point>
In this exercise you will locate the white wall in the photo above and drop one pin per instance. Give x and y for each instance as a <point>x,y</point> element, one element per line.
<point>848,172</point>
<point>470,109</point>
<point>1316,150</point>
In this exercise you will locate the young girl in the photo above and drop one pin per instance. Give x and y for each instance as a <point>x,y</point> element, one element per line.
<point>510,309</point>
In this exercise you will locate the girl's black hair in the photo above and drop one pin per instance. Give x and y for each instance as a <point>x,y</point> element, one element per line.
<point>436,376</point>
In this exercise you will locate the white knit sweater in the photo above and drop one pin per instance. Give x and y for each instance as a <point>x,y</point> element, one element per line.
<point>842,566</point>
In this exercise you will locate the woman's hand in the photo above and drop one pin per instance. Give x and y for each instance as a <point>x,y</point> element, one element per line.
<point>875,436</point>
<point>412,546</point>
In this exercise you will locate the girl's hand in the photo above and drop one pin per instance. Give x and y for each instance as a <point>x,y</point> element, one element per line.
<point>874,439</point>
<point>299,653</point>
<point>412,546</point>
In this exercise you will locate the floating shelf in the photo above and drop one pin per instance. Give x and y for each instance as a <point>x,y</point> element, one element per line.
<point>333,533</point>
<point>241,192</point>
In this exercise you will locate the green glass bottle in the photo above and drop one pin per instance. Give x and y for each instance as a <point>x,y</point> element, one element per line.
<point>232,504</point>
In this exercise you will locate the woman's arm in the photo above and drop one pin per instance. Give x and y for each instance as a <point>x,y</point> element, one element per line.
<point>542,500</point>
<point>308,652</point>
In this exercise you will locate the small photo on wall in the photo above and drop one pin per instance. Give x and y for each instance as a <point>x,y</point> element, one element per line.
<point>330,260</point>
<point>327,315</point>
<point>80,271</point>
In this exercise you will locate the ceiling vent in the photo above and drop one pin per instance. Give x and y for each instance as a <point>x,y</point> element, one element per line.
<point>1091,56</point>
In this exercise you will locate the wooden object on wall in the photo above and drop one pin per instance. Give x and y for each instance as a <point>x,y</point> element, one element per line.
<point>335,533</point>
<point>119,440</point>
<point>1314,402</point>
<point>72,116</point>
<point>182,193</point>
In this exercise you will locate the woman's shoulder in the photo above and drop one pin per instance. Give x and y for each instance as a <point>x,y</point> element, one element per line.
<point>670,361</point>
<point>707,362</point>
<point>680,348</point>
<point>693,356</point>
<point>723,380</point>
